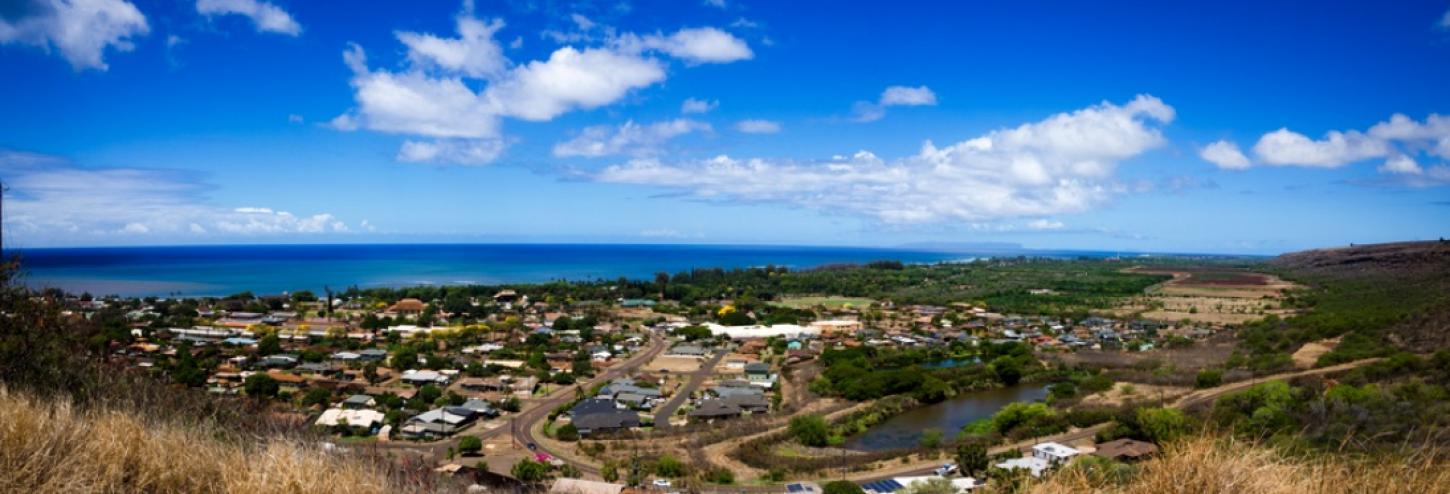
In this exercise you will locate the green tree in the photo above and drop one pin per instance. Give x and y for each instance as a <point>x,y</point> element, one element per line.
<point>270,344</point>
<point>841,487</point>
<point>470,445</point>
<point>261,385</point>
<point>317,396</point>
<point>1162,425</point>
<point>1007,370</point>
<point>972,458</point>
<point>810,430</point>
<point>530,471</point>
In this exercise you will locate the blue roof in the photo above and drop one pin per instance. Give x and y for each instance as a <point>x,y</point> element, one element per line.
<point>887,485</point>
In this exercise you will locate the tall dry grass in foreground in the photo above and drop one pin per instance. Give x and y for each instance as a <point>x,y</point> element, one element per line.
<point>51,447</point>
<point>1211,464</point>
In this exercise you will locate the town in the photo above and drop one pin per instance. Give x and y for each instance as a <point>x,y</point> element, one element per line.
<point>656,392</point>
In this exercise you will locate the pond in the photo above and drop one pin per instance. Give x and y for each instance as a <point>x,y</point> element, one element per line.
<point>904,430</point>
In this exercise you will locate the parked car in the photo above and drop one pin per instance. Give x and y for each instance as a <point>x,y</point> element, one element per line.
<point>947,469</point>
<point>662,483</point>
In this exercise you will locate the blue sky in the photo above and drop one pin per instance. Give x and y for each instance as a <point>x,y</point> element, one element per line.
<point>1234,127</point>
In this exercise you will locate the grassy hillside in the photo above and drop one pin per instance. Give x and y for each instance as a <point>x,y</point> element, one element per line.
<point>49,446</point>
<point>1211,464</point>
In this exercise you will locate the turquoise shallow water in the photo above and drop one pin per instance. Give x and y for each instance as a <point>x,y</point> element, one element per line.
<point>266,269</point>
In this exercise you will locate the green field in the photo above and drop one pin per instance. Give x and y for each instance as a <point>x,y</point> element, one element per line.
<point>828,302</point>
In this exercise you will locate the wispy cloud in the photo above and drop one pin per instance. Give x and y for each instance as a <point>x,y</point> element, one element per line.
<point>51,200</point>
<point>1062,164</point>
<point>628,138</point>
<point>265,16</point>
<point>757,126</point>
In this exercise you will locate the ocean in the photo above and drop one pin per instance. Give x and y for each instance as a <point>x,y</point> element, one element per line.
<point>197,271</point>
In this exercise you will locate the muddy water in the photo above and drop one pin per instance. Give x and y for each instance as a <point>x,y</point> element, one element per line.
<point>905,429</point>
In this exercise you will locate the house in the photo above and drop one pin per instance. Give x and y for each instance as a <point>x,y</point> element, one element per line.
<point>735,387</point>
<point>356,402</point>
<point>756,403</point>
<point>363,420</point>
<point>1054,453</point>
<point>424,377</point>
<point>1034,466</point>
<point>480,408</point>
<point>437,423</point>
<point>599,415</point>
<point>279,361</point>
<point>566,485</point>
<point>505,296</point>
<point>408,306</point>
<point>714,409</point>
<point>483,384</point>
<point>688,351</point>
<point>636,302</point>
<point>758,374</point>
<point>831,327</point>
<point>1126,450</point>
<point>373,355</point>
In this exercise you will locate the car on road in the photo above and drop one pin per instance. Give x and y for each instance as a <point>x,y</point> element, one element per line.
<point>947,469</point>
<point>533,447</point>
<point>662,483</point>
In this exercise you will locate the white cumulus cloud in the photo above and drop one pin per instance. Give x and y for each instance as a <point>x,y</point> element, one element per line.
<point>694,45</point>
<point>474,53</point>
<point>1398,141</point>
<point>80,30</point>
<point>908,96</point>
<point>627,138</point>
<point>267,17</point>
<point>455,93</point>
<point>871,111</point>
<point>1225,154</point>
<point>1061,164</point>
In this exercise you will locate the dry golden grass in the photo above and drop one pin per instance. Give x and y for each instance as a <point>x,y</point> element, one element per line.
<point>1208,464</point>
<point>48,447</point>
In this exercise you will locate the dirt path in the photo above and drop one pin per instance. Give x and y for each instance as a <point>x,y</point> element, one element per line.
<point>718,454</point>
<point>1309,354</point>
<point>1206,395</point>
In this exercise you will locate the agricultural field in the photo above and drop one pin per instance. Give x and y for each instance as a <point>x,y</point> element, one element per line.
<point>1209,295</point>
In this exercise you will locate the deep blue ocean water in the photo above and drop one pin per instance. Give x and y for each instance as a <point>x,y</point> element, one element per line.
<point>270,269</point>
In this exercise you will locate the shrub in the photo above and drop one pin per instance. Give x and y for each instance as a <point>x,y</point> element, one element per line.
<point>810,430</point>
<point>1208,378</point>
<point>723,476</point>
<point>841,487</point>
<point>668,466</point>
<point>568,433</point>
<point>1162,425</point>
<point>469,445</point>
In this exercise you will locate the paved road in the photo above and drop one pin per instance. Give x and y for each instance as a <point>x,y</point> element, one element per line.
<point>662,417</point>
<point>535,409</point>
<point>522,423</point>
